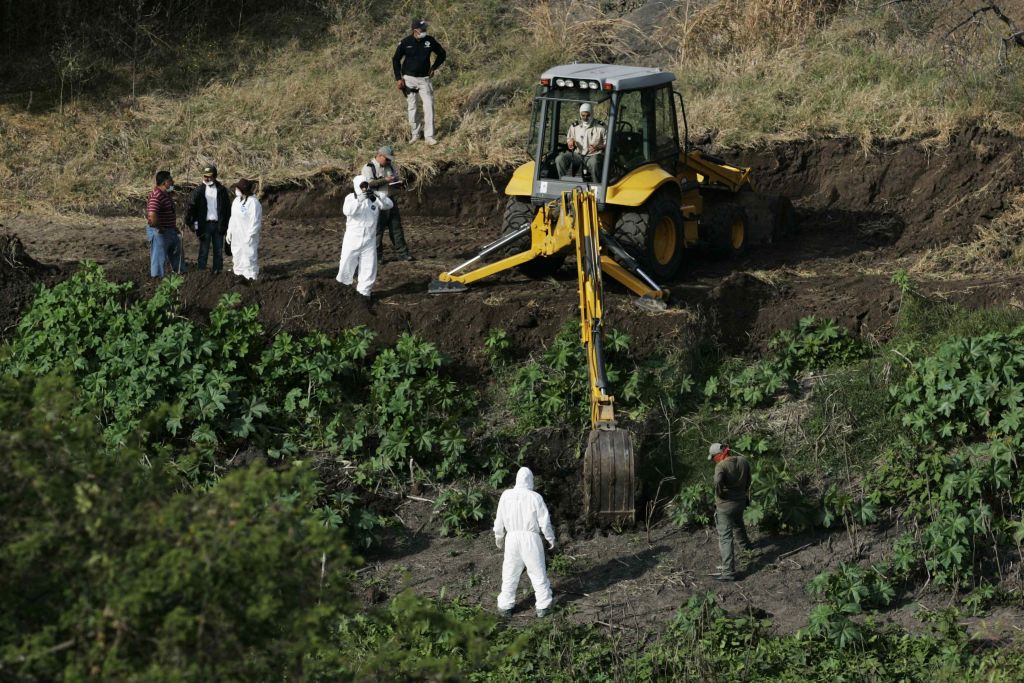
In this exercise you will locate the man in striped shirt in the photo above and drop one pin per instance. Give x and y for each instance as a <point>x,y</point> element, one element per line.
<point>161,229</point>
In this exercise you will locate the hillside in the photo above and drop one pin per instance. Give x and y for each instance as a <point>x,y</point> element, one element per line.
<point>283,109</point>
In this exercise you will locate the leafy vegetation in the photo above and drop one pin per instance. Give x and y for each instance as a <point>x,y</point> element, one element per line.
<point>180,500</point>
<point>111,571</point>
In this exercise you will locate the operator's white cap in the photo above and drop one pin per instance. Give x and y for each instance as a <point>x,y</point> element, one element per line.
<point>587,107</point>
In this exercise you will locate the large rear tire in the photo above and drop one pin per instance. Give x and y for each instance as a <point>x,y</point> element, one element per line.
<point>770,218</point>
<point>519,213</point>
<point>654,236</point>
<point>723,227</point>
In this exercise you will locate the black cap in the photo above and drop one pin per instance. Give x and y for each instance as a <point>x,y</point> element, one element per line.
<point>419,23</point>
<point>210,170</point>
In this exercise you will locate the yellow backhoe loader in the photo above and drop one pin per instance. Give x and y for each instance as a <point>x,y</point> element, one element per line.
<point>631,212</point>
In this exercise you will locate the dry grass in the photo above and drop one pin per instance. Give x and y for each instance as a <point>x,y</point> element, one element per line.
<point>724,27</point>
<point>996,248</point>
<point>752,70</point>
<point>567,30</point>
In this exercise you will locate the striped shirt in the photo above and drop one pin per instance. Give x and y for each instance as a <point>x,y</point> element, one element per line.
<point>160,203</point>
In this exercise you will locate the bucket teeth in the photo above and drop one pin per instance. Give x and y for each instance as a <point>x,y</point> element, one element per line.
<point>439,287</point>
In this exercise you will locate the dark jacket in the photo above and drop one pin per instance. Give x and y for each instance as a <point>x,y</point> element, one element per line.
<point>732,481</point>
<point>196,210</point>
<point>412,57</point>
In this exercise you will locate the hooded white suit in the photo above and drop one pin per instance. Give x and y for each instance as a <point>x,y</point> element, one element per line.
<point>359,246</point>
<point>244,236</point>
<point>523,515</point>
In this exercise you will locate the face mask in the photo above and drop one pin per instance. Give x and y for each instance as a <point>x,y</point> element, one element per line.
<point>422,35</point>
<point>208,183</point>
<point>238,193</point>
<point>171,188</point>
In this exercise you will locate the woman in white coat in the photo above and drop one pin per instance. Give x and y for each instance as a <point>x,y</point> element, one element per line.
<point>359,247</point>
<point>244,230</point>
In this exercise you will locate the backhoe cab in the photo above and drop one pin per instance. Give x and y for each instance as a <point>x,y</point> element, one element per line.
<point>656,195</point>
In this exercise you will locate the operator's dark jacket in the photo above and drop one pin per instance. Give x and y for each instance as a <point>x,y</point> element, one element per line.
<point>196,210</point>
<point>412,58</point>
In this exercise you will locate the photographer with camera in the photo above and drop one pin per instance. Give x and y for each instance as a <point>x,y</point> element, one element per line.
<point>359,246</point>
<point>413,71</point>
<point>382,175</point>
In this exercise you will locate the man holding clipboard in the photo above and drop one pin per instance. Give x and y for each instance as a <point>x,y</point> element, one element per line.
<point>382,176</point>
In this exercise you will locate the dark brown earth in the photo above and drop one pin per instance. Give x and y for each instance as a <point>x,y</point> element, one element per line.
<point>862,215</point>
<point>633,583</point>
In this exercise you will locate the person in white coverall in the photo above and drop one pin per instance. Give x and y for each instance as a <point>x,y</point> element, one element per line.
<point>359,247</point>
<point>244,229</point>
<point>522,518</point>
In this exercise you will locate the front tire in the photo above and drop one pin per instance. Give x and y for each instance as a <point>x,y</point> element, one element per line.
<point>654,236</point>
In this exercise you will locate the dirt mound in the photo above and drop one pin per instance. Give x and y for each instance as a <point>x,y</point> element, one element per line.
<point>860,213</point>
<point>531,312</point>
<point>454,193</point>
<point>915,194</point>
<point>19,274</point>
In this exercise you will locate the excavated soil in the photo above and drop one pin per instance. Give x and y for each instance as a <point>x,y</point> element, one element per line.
<point>862,214</point>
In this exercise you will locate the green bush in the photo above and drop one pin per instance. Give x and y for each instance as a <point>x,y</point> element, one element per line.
<point>693,506</point>
<point>111,572</point>
<point>223,388</point>
<point>461,509</point>
<point>812,344</point>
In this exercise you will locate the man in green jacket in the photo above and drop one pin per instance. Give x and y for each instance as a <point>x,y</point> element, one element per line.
<point>732,493</point>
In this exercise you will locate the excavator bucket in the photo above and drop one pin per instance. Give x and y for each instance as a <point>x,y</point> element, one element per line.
<point>609,478</point>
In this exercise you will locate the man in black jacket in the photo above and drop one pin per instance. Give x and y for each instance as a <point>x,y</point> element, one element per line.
<point>209,209</point>
<point>413,72</point>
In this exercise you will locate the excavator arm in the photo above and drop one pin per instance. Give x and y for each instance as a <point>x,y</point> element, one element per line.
<point>609,464</point>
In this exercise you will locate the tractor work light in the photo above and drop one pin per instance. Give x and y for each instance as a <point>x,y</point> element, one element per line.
<point>569,84</point>
<point>560,82</point>
<point>608,87</point>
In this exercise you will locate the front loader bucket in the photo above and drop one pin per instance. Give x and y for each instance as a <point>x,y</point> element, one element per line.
<point>438,287</point>
<point>609,478</point>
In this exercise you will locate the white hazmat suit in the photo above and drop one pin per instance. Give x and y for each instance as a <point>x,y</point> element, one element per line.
<point>523,516</point>
<point>244,229</point>
<point>359,246</point>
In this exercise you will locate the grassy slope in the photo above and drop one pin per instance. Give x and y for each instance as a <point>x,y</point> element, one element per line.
<point>324,100</point>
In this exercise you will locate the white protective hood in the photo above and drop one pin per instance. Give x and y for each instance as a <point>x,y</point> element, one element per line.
<point>524,479</point>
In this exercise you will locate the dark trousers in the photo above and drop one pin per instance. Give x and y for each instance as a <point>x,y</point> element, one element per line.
<point>730,527</point>
<point>391,220</point>
<point>209,233</point>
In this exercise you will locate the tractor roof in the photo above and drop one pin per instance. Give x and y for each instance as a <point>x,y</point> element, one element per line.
<point>620,77</point>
